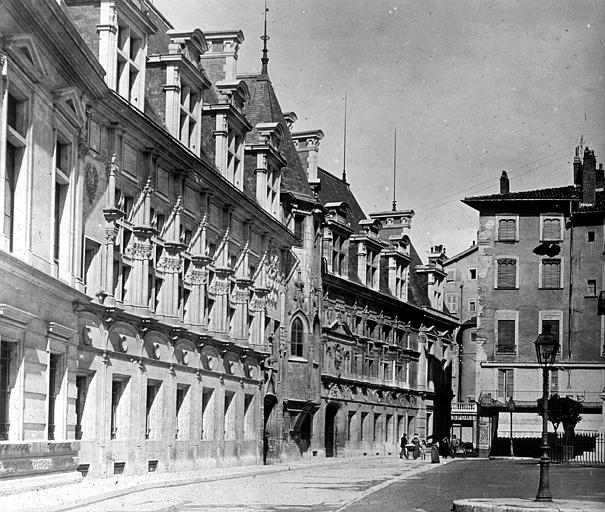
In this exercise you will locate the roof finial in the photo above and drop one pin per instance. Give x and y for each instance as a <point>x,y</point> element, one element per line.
<point>394,170</point>
<point>344,146</point>
<point>265,38</point>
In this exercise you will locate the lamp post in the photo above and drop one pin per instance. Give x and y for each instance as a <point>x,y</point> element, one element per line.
<point>511,408</point>
<point>547,347</point>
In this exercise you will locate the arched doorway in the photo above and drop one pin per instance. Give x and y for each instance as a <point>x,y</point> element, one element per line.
<point>270,433</point>
<point>331,430</point>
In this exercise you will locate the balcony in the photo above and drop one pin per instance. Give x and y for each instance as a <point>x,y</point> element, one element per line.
<point>527,400</point>
<point>464,407</point>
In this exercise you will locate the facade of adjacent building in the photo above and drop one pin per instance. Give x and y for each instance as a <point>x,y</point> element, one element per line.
<point>386,341</point>
<point>540,264</point>
<point>461,294</point>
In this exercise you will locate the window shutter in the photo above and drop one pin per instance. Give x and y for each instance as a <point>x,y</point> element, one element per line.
<point>551,229</point>
<point>509,383</point>
<point>551,273</point>
<point>507,273</point>
<point>507,229</point>
<point>506,336</point>
<point>501,382</point>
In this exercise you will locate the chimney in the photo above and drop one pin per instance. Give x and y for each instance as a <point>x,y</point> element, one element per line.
<point>600,179</point>
<point>577,168</point>
<point>307,145</point>
<point>220,61</point>
<point>589,177</point>
<point>504,183</point>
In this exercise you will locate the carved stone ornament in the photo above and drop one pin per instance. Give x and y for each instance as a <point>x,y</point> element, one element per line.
<point>139,250</point>
<point>91,181</point>
<point>156,351</point>
<point>86,338</point>
<point>123,345</point>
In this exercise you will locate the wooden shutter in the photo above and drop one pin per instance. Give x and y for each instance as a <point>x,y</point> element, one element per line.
<point>551,229</point>
<point>506,336</point>
<point>507,229</point>
<point>551,273</point>
<point>507,273</point>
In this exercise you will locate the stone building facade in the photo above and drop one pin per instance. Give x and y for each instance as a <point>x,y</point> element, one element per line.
<point>157,249</point>
<point>540,264</point>
<point>386,341</point>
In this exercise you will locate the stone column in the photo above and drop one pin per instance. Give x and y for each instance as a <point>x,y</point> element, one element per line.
<point>261,180</point>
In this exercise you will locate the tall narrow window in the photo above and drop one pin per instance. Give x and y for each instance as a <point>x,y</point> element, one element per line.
<point>234,156</point>
<point>17,125</point>
<point>53,390</point>
<point>151,411</point>
<point>372,259</point>
<point>298,228</point>
<point>554,381</point>
<point>117,391</point>
<point>249,424</point>
<point>591,288</point>
<point>5,370</point>
<point>207,413</point>
<point>182,413</point>
<point>296,338</point>
<point>451,301</point>
<point>81,392</point>
<point>506,336</point>
<point>61,216</point>
<point>130,60</point>
<point>91,271</point>
<point>505,383</point>
<point>350,420</point>
<point>507,273</point>
<point>551,273</point>
<point>338,255</point>
<point>229,416</point>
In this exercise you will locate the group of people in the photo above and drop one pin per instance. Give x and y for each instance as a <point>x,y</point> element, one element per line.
<point>418,448</point>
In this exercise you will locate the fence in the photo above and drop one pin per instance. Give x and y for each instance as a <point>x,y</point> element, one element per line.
<point>584,448</point>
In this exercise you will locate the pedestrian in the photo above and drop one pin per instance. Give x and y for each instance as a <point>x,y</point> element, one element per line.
<point>416,443</point>
<point>435,453</point>
<point>446,449</point>
<point>403,444</point>
<point>423,449</point>
<point>455,445</point>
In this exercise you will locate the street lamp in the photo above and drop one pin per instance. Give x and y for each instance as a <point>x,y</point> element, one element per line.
<point>547,346</point>
<point>511,408</point>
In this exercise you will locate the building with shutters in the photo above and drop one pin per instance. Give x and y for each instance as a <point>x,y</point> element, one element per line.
<point>540,265</point>
<point>159,266</point>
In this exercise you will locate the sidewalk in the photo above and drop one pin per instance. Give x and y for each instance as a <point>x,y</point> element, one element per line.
<point>85,491</point>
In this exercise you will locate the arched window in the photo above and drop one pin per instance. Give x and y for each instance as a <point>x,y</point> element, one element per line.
<point>296,338</point>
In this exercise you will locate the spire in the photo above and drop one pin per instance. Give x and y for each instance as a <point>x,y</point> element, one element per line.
<point>265,38</point>
<point>344,148</point>
<point>394,170</point>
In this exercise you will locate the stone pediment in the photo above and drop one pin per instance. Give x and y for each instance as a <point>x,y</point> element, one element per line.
<point>340,328</point>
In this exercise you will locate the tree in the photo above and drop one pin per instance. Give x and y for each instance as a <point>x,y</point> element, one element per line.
<point>562,411</point>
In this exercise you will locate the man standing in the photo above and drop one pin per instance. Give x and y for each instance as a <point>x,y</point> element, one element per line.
<point>404,451</point>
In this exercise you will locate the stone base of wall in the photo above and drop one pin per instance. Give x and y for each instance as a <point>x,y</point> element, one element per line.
<point>36,458</point>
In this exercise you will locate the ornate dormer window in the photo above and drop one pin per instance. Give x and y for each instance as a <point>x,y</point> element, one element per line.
<point>369,248</point>
<point>336,238</point>
<point>230,128</point>
<point>269,162</point>
<point>123,30</point>
<point>181,72</point>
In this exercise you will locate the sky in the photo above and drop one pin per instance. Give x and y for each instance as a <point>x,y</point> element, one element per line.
<point>472,88</point>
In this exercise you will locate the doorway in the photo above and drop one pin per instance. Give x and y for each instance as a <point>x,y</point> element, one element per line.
<point>331,430</point>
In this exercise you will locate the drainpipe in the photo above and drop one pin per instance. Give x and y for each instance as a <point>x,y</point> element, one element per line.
<point>570,306</point>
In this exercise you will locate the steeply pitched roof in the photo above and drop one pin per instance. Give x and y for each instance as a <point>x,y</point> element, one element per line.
<point>542,194</point>
<point>418,285</point>
<point>333,189</point>
<point>263,107</point>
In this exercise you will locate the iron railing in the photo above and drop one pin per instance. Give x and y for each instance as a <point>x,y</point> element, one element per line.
<point>581,448</point>
<point>530,398</point>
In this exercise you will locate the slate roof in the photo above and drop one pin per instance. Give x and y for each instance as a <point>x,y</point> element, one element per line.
<point>333,189</point>
<point>546,194</point>
<point>461,255</point>
<point>263,107</point>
